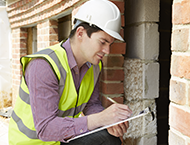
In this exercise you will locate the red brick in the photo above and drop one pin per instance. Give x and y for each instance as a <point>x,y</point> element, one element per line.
<point>120,5</point>
<point>122,33</point>
<point>18,45</point>
<point>106,103</point>
<point>118,48</point>
<point>42,25</point>
<point>179,120</point>
<point>46,31</point>
<point>177,12</point>
<point>15,56</point>
<point>113,61</point>
<point>186,11</point>
<point>23,35</point>
<point>17,50</point>
<point>23,51</point>
<point>113,75</point>
<point>53,37</point>
<point>45,38</point>
<point>14,35</point>
<point>112,88</point>
<point>53,23</point>
<point>178,92</point>
<point>17,40</point>
<point>181,12</point>
<point>17,62</point>
<point>22,45</point>
<point>23,30</point>
<point>39,26</point>
<point>18,72</point>
<point>16,66</point>
<point>122,20</point>
<point>14,46</point>
<point>180,39</point>
<point>16,82</point>
<point>39,38</point>
<point>75,10</point>
<point>53,31</point>
<point>180,66</point>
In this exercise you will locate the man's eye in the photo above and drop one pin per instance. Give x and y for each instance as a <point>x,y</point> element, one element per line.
<point>103,43</point>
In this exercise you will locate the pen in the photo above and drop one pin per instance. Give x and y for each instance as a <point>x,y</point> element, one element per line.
<point>113,101</point>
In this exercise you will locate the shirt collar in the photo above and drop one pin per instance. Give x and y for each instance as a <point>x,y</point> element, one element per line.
<point>71,59</point>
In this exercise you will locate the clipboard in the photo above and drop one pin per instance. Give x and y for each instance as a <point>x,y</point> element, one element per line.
<point>141,114</point>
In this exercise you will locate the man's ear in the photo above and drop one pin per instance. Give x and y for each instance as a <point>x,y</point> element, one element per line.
<point>80,32</point>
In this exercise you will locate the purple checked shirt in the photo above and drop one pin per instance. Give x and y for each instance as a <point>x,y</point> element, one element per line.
<point>44,99</point>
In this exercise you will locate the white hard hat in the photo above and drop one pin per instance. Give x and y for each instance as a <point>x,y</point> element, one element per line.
<point>103,14</point>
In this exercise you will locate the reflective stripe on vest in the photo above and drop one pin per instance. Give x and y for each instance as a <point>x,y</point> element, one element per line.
<point>29,133</point>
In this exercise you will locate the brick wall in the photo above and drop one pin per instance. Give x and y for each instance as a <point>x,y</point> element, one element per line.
<point>179,110</point>
<point>47,34</point>
<point>113,72</point>
<point>19,39</point>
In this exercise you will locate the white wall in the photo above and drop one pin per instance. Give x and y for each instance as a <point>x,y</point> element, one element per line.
<point>5,59</point>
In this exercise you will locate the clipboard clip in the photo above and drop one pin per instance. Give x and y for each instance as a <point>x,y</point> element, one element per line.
<point>148,110</point>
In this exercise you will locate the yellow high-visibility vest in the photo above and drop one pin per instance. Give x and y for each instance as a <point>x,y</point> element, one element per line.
<point>21,126</point>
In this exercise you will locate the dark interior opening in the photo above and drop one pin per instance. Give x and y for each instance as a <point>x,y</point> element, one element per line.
<point>165,28</point>
<point>64,27</point>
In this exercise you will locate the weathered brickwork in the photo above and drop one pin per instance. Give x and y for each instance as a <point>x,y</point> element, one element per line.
<point>178,91</point>
<point>181,10</point>
<point>19,49</point>
<point>179,116</point>
<point>25,12</point>
<point>180,40</point>
<point>179,111</point>
<point>47,33</point>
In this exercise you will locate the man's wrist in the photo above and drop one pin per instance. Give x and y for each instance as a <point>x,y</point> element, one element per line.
<point>94,121</point>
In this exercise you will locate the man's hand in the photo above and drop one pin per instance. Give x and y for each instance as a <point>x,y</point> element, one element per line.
<point>112,114</point>
<point>118,130</point>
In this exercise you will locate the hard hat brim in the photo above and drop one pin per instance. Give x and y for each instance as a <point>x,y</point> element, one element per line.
<point>114,34</point>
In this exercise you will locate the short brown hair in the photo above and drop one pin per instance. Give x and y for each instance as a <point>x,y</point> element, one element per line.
<point>89,29</point>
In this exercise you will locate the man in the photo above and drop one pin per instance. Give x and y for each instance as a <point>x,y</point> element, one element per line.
<point>61,81</point>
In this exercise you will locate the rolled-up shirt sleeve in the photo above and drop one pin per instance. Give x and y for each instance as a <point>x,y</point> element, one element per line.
<point>44,100</point>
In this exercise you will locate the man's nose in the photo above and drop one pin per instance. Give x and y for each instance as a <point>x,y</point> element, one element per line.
<point>106,50</point>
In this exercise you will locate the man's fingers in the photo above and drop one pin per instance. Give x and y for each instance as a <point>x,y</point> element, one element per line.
<point>125,110</point>
<point>124,107</point>
<point>124,126</point>
<point>119,130</point>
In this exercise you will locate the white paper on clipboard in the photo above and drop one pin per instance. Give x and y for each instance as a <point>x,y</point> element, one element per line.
<point>107,126</point>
